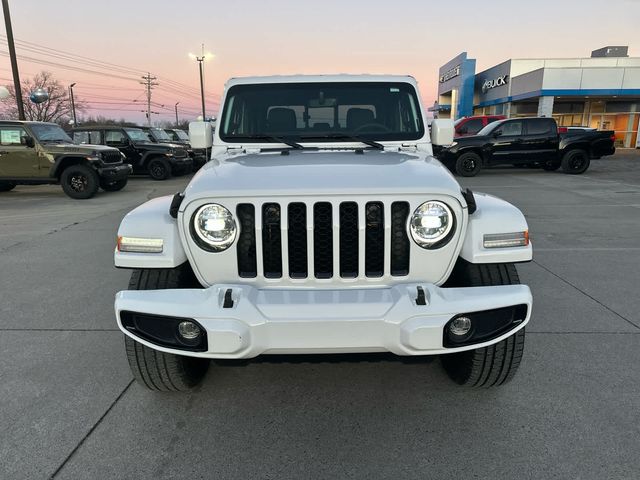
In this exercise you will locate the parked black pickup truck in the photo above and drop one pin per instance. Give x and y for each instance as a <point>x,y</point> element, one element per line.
<point>526,141</point>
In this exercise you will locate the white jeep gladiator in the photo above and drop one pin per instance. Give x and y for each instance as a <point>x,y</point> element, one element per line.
<point>323,224</point>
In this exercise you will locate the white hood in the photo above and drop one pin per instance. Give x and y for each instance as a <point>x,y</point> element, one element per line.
<point>322,172</point>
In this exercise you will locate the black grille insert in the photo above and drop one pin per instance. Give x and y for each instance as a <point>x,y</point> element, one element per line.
<point>323,240</point>
<point>247,265</point>
<point>349,240</point>
<point>400,246</point>
<point>374,239</point>
<point>271,241</point>
<point>297,237</point>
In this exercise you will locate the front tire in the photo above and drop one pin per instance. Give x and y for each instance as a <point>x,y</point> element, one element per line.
<point>79,181</point>
<point>159,168</point>
<point>496,364</point>
<point>575,162</point>
<point>114,186</point>
<point>159,371</point>
<point>468,164</point>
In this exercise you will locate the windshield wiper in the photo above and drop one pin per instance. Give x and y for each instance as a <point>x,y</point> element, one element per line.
<point>353,138</point>
<point>272,138</point>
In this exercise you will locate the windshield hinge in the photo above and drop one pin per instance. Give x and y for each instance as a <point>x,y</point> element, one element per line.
<point>408,147</point>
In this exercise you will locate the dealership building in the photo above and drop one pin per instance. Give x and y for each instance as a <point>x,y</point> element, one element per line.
<point>601,91</point>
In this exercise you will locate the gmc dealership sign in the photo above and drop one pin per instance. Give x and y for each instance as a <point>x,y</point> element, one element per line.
<point>496,82</point>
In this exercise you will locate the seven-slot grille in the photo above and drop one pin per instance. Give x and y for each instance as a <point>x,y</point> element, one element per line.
<point>311,249</point>
<point>111,156</point>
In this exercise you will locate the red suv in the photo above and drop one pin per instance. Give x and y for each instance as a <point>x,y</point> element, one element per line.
<point>466,126</point>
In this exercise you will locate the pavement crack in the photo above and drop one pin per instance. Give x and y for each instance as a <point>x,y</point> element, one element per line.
<point>587,295</point>
<point>91,430</point>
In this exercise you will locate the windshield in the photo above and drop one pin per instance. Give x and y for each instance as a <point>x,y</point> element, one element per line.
<point>160,135</point>
<point>181,134</point>
<point>49,133</point>
<point>322,112</point>
<point>489,128</point>
<point>137,135</point>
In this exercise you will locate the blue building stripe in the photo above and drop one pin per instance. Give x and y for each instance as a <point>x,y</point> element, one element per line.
<point>623,92</point>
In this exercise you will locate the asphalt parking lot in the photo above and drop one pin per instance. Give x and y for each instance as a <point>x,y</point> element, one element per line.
<point>71,410</point>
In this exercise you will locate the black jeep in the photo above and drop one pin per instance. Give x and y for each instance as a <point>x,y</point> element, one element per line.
<point>159,160</point>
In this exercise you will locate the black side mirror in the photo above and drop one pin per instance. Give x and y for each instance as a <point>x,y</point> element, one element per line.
<point>29,142</point>
<point>497,134</point>
<point>463,130</point>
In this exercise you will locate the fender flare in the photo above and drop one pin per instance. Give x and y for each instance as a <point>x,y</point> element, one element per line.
<point>152,220</point>
<point>56,169</point>
<point>494,215</point>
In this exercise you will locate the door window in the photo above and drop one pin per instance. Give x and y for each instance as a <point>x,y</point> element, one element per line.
<point>92,137</point>
<point>510,129</point>
<point>539,126</point>
<point>114,137</point>
<point>13,136</point>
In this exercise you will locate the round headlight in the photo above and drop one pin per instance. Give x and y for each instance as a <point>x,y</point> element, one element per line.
<point>431,223</point>
<point>214,227</point>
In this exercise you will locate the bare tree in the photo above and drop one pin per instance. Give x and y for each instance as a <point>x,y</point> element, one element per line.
<point>56,109</point>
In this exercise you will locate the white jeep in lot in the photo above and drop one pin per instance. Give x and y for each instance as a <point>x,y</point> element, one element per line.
<point>323,224</point>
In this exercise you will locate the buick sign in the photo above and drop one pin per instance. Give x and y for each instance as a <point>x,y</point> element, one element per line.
<point>496,82</point>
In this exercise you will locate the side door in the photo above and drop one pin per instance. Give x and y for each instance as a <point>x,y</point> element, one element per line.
<point>17,159</point>
<point>540,140</point>
<point>506,143</point>
<point>117,138</point>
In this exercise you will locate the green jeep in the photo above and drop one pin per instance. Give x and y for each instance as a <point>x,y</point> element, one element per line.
<point>37,153</point>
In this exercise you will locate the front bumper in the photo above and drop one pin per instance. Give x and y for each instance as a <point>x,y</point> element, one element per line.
<point>180,162</point>
<point>114,173</point>
<point>321,321</point>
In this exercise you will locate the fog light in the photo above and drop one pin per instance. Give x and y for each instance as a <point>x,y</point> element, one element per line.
<point>188,330</point>
<point>460,326</point>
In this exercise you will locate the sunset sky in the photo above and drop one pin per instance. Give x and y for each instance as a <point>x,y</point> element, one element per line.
<point>253,37</point>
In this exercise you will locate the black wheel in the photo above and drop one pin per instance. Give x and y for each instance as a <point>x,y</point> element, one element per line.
<point>551,166</point>
<point>159,168</point>
<point>575,162</point>
<point>468,164</point>
<point>157,370</point>
<point>113,186</point>
<point>6,186</point>
<point>79,181</point>
<point>497,364</point>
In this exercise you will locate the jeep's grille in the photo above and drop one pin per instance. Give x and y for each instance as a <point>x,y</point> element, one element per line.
<point>111,157</point>
<point>336,236</point>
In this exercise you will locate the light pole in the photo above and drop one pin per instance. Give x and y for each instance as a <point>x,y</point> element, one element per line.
<point>177,103</point>
<point>201,60</point>
<point>73,104</point>
<point>14,61</point>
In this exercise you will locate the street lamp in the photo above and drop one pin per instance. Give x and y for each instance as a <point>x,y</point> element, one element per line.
<point>177,103</point>
<point>73,104</point>
<point>201,60</point>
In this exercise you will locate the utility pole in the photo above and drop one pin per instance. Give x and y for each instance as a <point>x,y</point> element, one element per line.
<point>14,61</point>
<point>149,83</point>
<point>177,103</point>
<point>73,104</point>
<point>200,62</point>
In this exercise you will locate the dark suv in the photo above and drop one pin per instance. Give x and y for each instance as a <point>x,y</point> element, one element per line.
<point>179,137</point>
<point>159,160</point>
<point>37,153</point>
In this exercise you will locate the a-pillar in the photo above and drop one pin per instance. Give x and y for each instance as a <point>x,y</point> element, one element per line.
<point>545,107</point>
